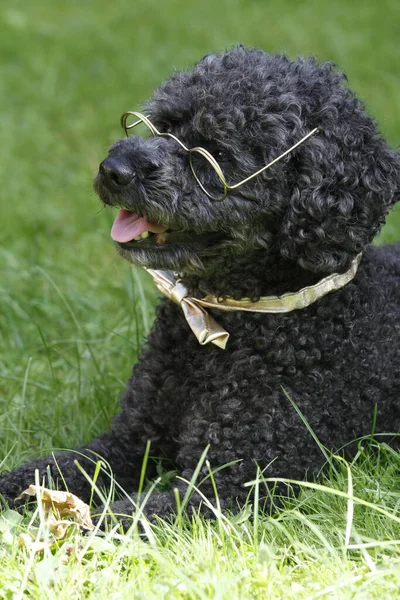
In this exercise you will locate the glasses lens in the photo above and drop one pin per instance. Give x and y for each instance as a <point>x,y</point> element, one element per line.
<point>207,174</point>
<point>134,124</point>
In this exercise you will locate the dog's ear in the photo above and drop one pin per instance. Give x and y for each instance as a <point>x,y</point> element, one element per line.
<point>345,183</point>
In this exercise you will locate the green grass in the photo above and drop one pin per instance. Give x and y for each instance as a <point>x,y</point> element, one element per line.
<point>72,315</point>
<point>339,539</point>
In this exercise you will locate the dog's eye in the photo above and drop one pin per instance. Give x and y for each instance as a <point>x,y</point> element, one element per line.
<point>169,126</point>
<point>220,155</point>
<point>162,126</point>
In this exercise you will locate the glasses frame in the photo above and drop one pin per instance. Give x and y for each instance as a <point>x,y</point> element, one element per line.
<point>207,155</point>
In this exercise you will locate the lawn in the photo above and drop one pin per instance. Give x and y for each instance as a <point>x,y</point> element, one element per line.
<point>73,315</point>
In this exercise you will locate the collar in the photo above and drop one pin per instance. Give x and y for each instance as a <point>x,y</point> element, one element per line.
<point>207,330</point>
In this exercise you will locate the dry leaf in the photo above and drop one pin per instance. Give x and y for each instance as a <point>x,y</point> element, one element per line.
<point>58,505</point>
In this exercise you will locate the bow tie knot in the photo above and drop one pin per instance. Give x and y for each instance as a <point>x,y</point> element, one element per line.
<point>203,325</point>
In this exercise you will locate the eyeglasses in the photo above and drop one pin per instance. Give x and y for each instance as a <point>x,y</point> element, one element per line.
<point>206,170</point>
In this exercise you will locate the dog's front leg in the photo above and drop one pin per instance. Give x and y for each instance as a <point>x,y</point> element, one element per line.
<point>121,450</point>
<point>149,407</point>
<point>63,470</point>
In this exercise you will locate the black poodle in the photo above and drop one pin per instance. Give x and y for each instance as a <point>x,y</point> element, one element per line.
<point>274,291</point>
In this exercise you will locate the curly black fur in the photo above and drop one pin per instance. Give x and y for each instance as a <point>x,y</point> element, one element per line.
<point>306,217</point>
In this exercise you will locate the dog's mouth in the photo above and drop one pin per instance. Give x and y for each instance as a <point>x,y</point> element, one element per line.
<point>131,231</point>
<point>131,228</point>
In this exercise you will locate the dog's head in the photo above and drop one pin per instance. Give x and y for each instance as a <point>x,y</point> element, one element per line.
<point>318,206</point>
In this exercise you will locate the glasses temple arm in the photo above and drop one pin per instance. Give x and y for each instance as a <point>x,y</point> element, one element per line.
<point>232,187</point>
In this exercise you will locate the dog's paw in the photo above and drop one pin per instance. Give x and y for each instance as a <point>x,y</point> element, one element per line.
<point>9,493</point>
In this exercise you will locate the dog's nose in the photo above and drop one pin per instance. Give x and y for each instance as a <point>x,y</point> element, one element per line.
<point>116,173</point>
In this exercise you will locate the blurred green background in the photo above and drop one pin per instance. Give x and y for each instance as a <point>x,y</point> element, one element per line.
<point>71,313</point>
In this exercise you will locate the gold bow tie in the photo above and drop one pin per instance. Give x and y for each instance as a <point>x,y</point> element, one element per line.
<point>204,326</point>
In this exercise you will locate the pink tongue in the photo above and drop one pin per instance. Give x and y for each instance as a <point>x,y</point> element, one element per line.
<point>128,225</point>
